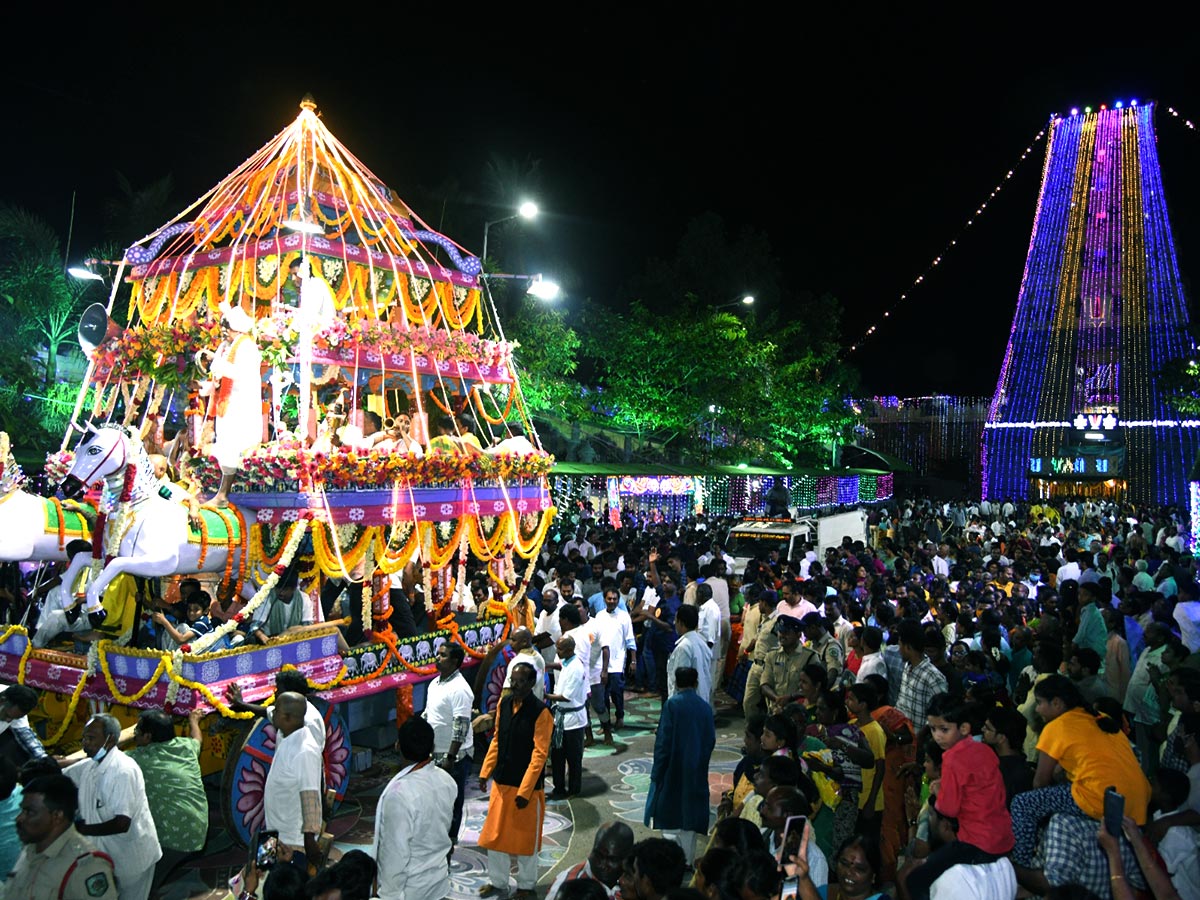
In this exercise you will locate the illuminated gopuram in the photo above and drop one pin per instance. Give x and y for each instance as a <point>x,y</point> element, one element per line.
<point>1077,409</point>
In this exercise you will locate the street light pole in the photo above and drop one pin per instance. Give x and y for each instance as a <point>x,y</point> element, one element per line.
<point>527,210</point>
<point>744,300</point>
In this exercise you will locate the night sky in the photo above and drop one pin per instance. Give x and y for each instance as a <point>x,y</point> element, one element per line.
<point>860,147</point>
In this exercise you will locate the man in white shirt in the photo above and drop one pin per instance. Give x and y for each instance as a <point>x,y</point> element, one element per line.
<point>1068,572</point>
<point>113,812</point>
<point>622,652</point>
<point>570,722</point>
<point>872,661</point>
<point>412,820</point>
<point>710,630</point>
<point>1187,615</point>
<point>292,794</point>
<point>941,562</point>
<point>521,641</point>
<point>548,624</point>
<point>691,651</point>
<point>590,633</point>
<point>448,701</point>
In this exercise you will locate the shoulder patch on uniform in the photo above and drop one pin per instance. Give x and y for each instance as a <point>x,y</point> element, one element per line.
<point>97,885</point>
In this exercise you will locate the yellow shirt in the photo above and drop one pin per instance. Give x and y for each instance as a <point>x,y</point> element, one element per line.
<point>1095,760</point>
<point>877,740</point>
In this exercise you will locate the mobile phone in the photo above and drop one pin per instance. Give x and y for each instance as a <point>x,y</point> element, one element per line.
<point>793,833</point>
<point>791,888</point>
<point>266,849</point>
<point>1114,811</point>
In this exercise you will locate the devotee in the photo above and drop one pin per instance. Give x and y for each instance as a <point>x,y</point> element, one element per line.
<point>448,702</point>
<point>18,742</point>
<point>976,875</point>
<point>677,802</point>
<point>654,867</point>
<point>621,653</point>
<point>521,641</point>
<point>1084,669</point>
<point>412,820</point>
<point>691,651</point>
<point>113,810</point>
<point>286,609</point>
<point>921,679</point>
<point>287,681</point>
<point>10,808</point>
<point>570,722</point>
<point>516,805</point>
<point>234,397</point>
<point>611,847</point>
<point>872,660</point>
<point>292,793</point>
<point>56,861</point>
<point>1092,753</point>
<point>174,788</point>
<point>1004,731</point>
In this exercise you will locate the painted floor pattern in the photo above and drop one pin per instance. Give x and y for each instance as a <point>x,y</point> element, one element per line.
<point>615,783</point>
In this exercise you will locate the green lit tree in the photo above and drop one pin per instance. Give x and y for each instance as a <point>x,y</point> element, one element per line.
<point>34,284</point>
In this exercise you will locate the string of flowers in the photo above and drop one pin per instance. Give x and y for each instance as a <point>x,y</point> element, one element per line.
<point>165,352</point>
<point>289,465</point>
<point>285,560</point>
<point>374,337</point>
<point>128,700</point>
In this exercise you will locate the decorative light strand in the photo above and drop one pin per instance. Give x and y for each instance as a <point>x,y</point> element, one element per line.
<point>1100,312</point>
<point>937,260</point>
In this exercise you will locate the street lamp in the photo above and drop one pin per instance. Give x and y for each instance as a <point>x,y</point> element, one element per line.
<point>527,210</point>
<point>84,274</point>
<point>744,300</point>
<point>539,287</point>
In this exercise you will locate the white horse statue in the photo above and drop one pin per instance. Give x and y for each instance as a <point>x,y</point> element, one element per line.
<point>154,527</point>
<point>27,530</point>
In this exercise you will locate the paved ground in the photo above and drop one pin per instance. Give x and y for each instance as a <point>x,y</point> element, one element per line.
<point>614,787</point>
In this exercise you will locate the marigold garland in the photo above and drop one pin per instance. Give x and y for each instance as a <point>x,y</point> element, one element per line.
<point>128,700</point>
<point>213,701</point>
<point>69,716</point>
<point>260,597</point>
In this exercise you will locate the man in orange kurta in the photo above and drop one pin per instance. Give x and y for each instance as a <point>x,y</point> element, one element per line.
<point>517,805</point>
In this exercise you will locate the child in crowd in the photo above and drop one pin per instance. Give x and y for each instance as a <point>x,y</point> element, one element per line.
<point>972,794</point>
<point>1004,731</point>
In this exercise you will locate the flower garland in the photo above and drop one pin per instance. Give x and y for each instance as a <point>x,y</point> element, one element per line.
<point>165,352</point>
<point>58,465</point>
<point>19,630</point>
<point>374,338</point>
<point>215,702</point>
<point>69,716</point>
<point>133,698</point>
<point>287,465</point>
<point>285,560</point>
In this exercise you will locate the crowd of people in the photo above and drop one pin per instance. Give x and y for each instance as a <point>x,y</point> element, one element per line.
<point>954,704</point>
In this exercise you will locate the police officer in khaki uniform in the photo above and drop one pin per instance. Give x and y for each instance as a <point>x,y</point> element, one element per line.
<point>765,640</point>
<point>784,664</point>
<point>57,863</point>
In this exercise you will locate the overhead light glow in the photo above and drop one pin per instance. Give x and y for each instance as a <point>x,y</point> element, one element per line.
<point>748,300</point>
<point>84,274</point>
<point>1074,110</point>
<point>528,210</point>
<point>304,226</point>
<point>543,289</point>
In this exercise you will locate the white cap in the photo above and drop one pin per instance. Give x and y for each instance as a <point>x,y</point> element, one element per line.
<point>237,319</point>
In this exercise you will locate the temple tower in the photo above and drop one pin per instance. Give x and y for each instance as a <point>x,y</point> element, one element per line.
<point>1101,309</point>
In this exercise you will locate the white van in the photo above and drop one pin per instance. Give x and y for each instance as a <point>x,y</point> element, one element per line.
<point>751,538</point>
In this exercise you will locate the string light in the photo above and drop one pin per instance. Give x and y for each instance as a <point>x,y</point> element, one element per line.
<point>937,260</point>
<point>1100,311</point>
<point>929,433</point>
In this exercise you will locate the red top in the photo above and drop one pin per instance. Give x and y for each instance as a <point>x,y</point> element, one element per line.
<point>973,792</point>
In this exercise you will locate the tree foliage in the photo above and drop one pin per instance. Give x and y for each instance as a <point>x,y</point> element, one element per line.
<point>44,302</point>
